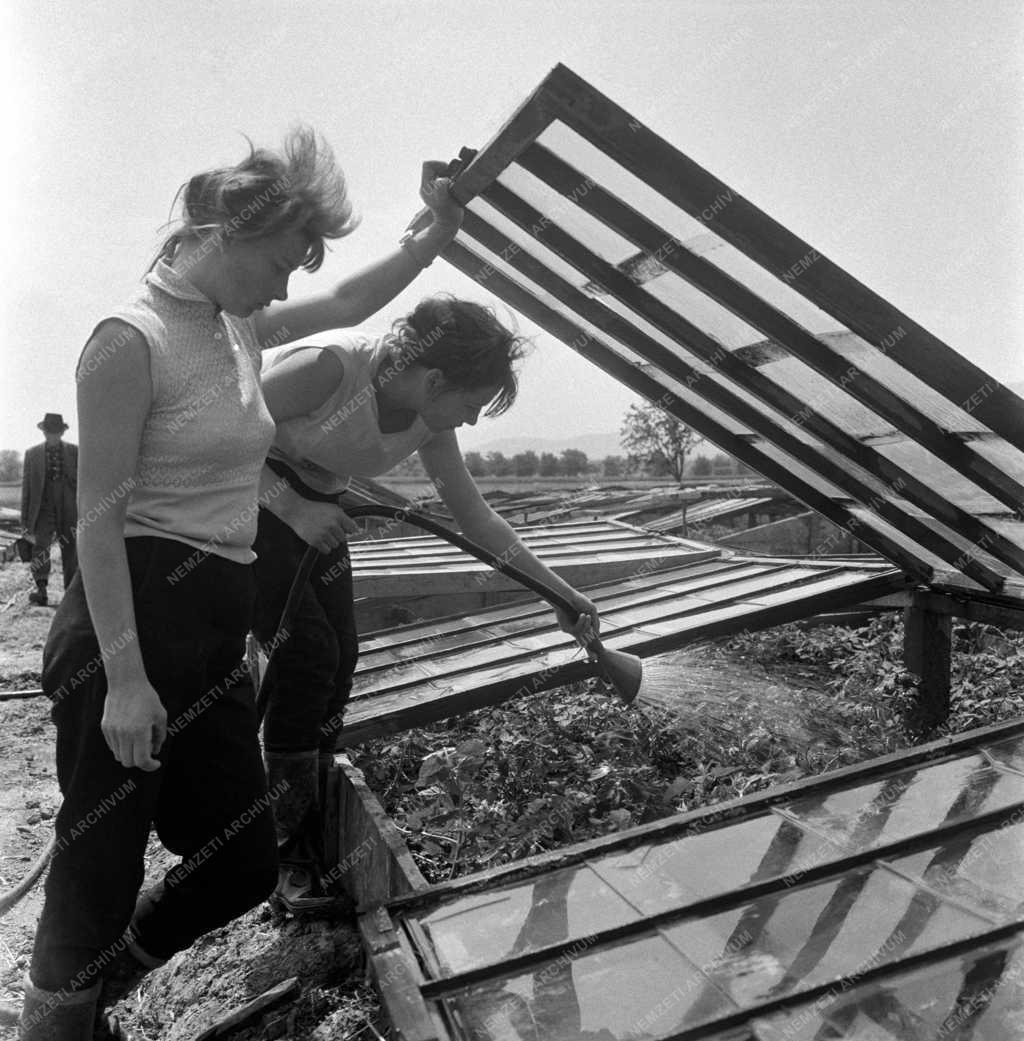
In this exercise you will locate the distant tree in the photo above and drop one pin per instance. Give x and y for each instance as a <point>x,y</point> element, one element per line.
<point>613,466</point>
<point>701,467</point>
<point>658,438</point>
<point>499,464</point>
<point>659,465</point>
<point>475,464</point>
<point>549,465</point>
<point>525,464</point>
<point>10,465</point>
<point>574,462</point>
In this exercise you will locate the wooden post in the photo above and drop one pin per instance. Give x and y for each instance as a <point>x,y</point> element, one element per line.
<point>927,652</point>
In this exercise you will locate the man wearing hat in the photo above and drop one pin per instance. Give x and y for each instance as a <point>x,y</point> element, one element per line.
<point>49,509</point>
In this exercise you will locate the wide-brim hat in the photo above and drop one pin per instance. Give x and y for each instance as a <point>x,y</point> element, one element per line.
<point>53,423</point>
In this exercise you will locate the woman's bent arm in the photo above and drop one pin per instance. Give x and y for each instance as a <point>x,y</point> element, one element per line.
<point>478,522</point>
<point>114,398</point>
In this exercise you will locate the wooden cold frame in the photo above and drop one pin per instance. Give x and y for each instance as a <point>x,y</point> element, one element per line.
<point>700,822</point>
<point>565,98</point>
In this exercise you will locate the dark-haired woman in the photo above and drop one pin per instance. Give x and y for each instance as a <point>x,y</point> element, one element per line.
<point>357,409</point>
<point>155,722</point>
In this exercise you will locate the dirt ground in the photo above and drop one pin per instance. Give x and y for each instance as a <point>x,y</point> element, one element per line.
<point>225,968</point>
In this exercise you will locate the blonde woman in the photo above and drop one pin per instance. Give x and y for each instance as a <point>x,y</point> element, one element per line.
<point>155,722</point>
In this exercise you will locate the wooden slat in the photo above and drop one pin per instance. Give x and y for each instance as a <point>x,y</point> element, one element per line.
<point>590,347</point>
<point>397,977</point>
<point>398,635</point>
<point>459,578</point>
<point>664,605</point>
<point>789,406</point>
<point>521,617</point>
<point>739,300</point>
<point>383,555</point>
<point>390,712</point>
<point>659,601</point>
<point>718,394</point>
<point>626,140</point>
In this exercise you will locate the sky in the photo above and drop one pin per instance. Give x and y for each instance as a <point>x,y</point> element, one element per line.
<point>888,135</point>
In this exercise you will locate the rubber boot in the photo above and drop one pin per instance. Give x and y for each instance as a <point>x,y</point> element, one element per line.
<point>39,597</point>
<point>57,1015</point>
<point>123,973</point>
<point>121,976</point>
<point>293,780</point>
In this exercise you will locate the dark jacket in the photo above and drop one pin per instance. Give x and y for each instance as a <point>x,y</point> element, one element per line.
<point>33,480</point>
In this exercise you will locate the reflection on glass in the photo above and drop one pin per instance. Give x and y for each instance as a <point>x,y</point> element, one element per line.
<point>909,802</point>
<point>807,936</point>
<point>694,866</point>
<point>973,997</point>
<point>636,991</point>
<point>620,887</point>
<point>984,870</point>
<point>488,927</point>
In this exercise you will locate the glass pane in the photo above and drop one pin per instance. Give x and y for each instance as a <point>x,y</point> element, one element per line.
<point>485,928</point>
<point>973,997</point>
<point>941,477</point>
<point>642,989</point>
<point>692,867</point>
<point>1001,454</point>
<point>694,234</point>
<point>573,220</point>
<point>908,803</point>
<point>894,377</point>
<point>826,398</point>
<point>616,888</point>
<point>603,337</point>
<point>797,940</point>
<point>982,870</point>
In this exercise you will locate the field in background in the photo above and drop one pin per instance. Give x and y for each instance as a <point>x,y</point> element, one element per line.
<point>418,487</point>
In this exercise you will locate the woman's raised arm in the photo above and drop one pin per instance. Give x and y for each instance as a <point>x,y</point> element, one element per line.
<point>363,294</point>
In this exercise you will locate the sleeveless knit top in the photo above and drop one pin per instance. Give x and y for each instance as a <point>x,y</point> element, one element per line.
<point>208,429</point>
<point>342,438</point>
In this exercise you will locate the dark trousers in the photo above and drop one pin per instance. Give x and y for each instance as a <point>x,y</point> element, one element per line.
<point>208,801</point>
<point>311,678</point>
<point>56,521</point>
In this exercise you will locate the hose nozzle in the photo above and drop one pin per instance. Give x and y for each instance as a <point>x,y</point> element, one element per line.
<point>625,672</point>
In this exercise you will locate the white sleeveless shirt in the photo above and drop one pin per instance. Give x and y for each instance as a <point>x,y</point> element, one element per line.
<point>342,438</point>
<point>208,430</point>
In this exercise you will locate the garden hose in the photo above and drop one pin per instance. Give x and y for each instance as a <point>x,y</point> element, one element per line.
<point>624,672</point>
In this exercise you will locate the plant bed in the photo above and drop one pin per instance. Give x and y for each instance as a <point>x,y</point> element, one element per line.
<point>572,764</point>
